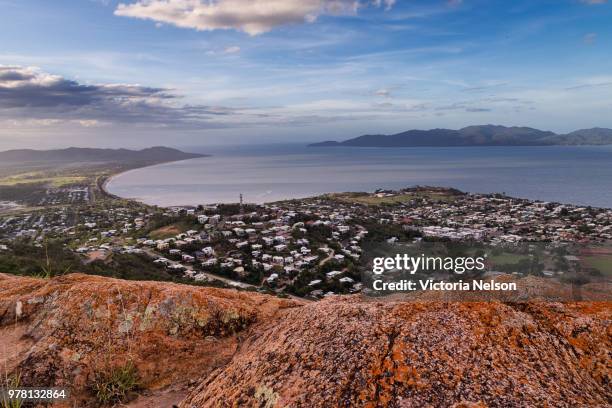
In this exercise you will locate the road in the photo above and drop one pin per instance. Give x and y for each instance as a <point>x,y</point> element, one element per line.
<point>329,258</point>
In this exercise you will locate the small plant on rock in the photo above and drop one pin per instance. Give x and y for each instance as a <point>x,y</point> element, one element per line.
<point>115,384</point>
<point>10,382</point>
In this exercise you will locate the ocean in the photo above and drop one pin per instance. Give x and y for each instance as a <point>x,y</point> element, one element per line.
<point>568,174</point>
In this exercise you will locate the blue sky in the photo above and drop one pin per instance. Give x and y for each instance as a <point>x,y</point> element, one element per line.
<point>201,72</point>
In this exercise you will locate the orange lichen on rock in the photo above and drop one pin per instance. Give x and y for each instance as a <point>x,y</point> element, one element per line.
<point>76,324</point>
<point>407,354</point>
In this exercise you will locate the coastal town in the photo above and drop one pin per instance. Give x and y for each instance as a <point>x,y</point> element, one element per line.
<point>313,247</point>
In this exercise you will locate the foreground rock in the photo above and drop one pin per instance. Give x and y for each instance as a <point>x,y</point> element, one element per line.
<point>243,349</point>
<point>347,353</point>
<point>73,330</point>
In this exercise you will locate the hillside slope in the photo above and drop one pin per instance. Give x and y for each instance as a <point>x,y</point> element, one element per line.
<point>594,136</point>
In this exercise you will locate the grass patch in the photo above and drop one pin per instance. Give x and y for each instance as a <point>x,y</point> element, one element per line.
<point>30,178</point>
<point>116,385</point>
<point>168,231</point>
<point>507,258</point>
<point>603,263</point>
<point>10,382</point>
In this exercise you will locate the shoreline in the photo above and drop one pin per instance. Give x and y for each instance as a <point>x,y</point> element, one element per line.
<point>104,190</point>
<point>103,186</point>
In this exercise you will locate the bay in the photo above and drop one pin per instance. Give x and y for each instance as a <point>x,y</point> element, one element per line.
<point>568,174</point>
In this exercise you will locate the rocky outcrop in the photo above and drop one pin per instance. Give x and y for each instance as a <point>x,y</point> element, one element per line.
<point>344,352</point>
<point>68,330</point>
<point>240,349</point>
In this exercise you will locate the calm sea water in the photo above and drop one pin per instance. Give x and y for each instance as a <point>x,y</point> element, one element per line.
<point>577,175</point>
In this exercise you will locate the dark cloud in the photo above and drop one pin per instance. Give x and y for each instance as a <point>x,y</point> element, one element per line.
<point>27,87</point>
<point>452,107</point>
<point>13,75</point>
<point>384,105</point>
<point>586,86</point>
<point>484,87</point>
<point>29,93</point>
<point>463,106</point>
<point>478,110</point>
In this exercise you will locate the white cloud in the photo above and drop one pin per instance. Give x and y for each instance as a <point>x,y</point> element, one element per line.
<point>251,16</point>
<point>232,50</point>
<point>386,3</point>
<point>383,92</point>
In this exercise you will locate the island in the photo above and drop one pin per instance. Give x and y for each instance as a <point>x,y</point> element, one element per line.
<point>483,135</point>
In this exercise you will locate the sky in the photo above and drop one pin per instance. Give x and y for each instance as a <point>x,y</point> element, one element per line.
<point>137,73</point>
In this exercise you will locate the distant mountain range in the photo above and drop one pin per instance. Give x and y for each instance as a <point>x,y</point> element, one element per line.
<point>86,155</point>
<point>485,135</point>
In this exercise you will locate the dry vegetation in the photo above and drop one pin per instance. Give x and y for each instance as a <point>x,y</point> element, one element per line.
<point>372,199</point>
